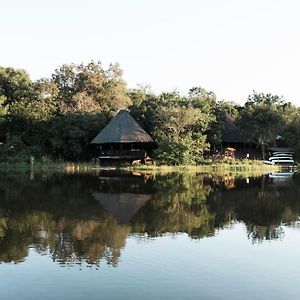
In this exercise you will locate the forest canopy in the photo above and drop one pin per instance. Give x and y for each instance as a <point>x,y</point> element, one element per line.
<point>57,117</point>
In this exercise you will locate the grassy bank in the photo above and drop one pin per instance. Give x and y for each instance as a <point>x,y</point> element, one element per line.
<point>211,167</point>
<point>46,166</point>
<point>205,167</point>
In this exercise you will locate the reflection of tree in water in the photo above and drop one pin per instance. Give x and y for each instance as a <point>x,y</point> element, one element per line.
<point>261,233</point>
<point>89,241</point>
<point>68,216</point>
<point>68,241</point>
<point>263,206</point>
<point>199,206</point>
<point>179,205</point>
<point>57,216</point>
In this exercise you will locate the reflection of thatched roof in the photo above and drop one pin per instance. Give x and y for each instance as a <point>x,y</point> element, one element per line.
<point>122,129</point>
<point>232,134</point>
<point>122,206</point>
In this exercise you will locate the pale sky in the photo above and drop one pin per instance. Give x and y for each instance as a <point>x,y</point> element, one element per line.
<point>231,47</point>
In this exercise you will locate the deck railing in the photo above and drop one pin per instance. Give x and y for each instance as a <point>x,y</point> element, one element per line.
<point>123,153</point>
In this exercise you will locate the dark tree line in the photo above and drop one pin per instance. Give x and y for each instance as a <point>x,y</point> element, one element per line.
<point>57,117</point>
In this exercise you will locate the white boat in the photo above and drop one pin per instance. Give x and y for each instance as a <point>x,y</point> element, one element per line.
<point>283,153</point>
<point>283,161</point>
<point>281,175</point>
<point>275,158</point>
<point>282,158</point>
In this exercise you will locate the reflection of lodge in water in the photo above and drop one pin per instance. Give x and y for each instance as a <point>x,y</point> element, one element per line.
<point>87,218</point>
<point>122,206</point>
<point>261,203</point>
<point>75,220</point>
<point>122,197</point>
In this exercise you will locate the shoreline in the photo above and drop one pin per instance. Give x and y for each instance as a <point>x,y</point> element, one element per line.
<point>206,167</point>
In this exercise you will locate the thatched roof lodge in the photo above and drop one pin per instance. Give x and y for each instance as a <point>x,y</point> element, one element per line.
<point>123,139</point>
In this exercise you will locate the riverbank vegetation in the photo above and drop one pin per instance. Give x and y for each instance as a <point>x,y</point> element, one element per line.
<point>56,118</point>
<point>210,167</point>
<point>47,166</point>
<point>244,168</point>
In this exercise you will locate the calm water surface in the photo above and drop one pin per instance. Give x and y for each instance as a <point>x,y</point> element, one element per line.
<point>111,235</point>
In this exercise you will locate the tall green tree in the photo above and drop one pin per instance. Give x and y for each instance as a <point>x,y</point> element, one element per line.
<point>15,85</point>
<point>261,119</point>
<point>90,88</point>
<point>180,128</point>
<point>291,130</point>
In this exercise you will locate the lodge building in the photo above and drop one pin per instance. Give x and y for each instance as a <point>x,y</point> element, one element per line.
<point>123,140</point>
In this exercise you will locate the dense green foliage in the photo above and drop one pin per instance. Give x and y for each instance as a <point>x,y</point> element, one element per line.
<point>183,127</point>
<point>264,118</point>
<point>57,117</point>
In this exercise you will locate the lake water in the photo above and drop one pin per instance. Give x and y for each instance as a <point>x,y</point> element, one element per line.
<point>110,235</point>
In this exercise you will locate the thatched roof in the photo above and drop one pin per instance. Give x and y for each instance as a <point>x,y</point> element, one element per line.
<point>122,129</point>
<point>122,206</point>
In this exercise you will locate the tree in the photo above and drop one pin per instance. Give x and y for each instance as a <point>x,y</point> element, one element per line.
<point>180,134</point>
<point>177,122</point>
<point>90,88</point>
<point>14,85</point>
<point>261,119</point>
<point>291,130</point>
<point>115,89</point>
<point>80,102</point>
<point>220,111</point>
<point>200,98</point>
<point>3,121</point>
<point>68,136</point>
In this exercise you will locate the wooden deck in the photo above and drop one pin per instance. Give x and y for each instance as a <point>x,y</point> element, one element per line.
<point>122,154</point>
